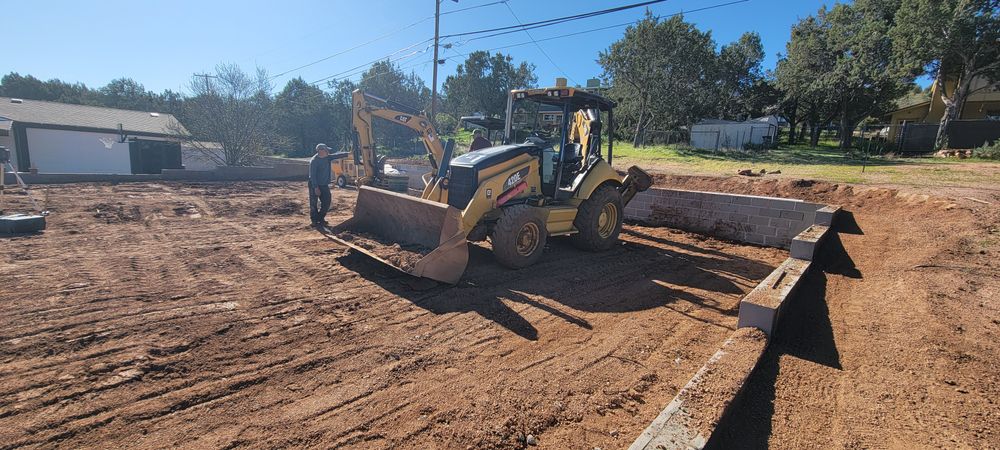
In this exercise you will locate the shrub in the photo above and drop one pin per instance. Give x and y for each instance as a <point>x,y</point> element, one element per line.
<point>446,124</point>
<point>988,151</point>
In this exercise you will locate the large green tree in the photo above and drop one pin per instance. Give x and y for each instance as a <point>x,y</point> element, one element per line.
<point>482,83</point>
<point>955,41</point>
<point>661,73</point>
<point>839,66</point>
<point>742,86</point>
<point>305,116</point>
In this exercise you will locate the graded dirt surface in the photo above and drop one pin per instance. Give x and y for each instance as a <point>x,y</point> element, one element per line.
<point>155,315</point>
<point>894,342</point>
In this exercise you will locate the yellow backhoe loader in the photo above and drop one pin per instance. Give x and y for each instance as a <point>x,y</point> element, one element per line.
<point>556,182</point>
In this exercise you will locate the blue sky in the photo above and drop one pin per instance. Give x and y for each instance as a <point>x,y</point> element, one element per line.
<point>162,43</point>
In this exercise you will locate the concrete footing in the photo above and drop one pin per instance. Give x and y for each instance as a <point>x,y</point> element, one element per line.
<point>691,417</point>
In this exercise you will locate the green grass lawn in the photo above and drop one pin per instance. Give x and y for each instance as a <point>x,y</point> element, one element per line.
<point>824,162</point>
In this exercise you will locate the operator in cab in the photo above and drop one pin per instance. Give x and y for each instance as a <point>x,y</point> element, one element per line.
<point>320,175</point>
<point>478,141</point>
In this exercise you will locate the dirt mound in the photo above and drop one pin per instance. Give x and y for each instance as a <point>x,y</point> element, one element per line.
<point>277,207</point>
<point>403,257</point>
<point>116,212</point>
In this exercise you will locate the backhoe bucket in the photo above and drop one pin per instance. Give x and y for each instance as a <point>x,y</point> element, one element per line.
<point>416,236</point>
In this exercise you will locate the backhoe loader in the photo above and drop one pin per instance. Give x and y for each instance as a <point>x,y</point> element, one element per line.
<point>556,182</point>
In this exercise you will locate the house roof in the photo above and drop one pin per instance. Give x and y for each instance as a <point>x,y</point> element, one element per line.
<point>90,117</point>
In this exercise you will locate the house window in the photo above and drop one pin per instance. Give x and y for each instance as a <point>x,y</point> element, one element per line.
<point>993,114</point>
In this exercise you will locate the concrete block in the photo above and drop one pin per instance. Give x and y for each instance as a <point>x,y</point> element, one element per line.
<point>764,230</point>
<point>753,238</point>
<point>807,207</point>
<point>792,215</point>
<point>689,420</point>
<point>749,210</point>
<point>742,200</point>
<point>763,202</point>
<point>760,220</point>
<point>761,307</point>
<point>777,241</point>
<point>780,223</point>
<point>782,203</point>
<point>21,223</point>
<point>804,245</point>
<point>769,212</point>
<point>826,214</point>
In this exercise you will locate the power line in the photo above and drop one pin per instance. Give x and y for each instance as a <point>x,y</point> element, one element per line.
<point>557,20</point>
<point>560,36</point>
<point>539,46</point>
<point>379,38</point>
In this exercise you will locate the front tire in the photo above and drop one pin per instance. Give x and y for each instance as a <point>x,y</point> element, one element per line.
<point>342,182</point>
<point>599,220</point>
<point>519,237</point>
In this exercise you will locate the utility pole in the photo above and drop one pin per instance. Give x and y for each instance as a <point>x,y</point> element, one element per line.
<point>434,78</point>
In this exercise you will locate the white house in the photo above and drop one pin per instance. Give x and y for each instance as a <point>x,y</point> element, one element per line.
<point>715,134</point>
<point>53,137</point>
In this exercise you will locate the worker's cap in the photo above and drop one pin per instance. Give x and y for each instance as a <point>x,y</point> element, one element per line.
<point>322,147</point>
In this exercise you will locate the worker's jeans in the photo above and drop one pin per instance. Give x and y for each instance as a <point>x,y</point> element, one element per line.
<point>319,204</point>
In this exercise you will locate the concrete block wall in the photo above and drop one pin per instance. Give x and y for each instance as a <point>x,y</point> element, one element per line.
<point>769,221</point>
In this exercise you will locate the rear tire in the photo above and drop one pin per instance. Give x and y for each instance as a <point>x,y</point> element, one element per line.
<point>342,182</point>
<point>599,220</point>
<point>519,237</point>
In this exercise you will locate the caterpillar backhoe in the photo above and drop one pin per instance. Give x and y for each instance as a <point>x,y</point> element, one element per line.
<point>557,182</point>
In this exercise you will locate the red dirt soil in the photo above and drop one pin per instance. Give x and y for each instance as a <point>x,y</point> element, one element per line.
<point>212,316</point>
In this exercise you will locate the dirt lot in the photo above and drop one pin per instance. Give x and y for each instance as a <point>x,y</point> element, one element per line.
<point>210,315</point>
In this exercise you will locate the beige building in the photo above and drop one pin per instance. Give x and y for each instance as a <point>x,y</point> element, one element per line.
<point>983,103</point>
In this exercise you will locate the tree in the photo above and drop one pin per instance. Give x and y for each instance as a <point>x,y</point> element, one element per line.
<point>126,93</point>
<point>740,78</point>
<point>839,65</point>
<point>386,80</point>
<point>483,82</point>
<point>306,116</point>
<point>661,71</point>
<point>955,41</point>
<point>231,108</point>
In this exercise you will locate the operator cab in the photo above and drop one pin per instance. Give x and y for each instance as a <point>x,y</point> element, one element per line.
<point>566,124</point>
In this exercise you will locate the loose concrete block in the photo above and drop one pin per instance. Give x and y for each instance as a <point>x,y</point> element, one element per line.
<point>761,307</point>
<point>691,417</point>
<point>791,215</point>
<point>826,214</point>
<point>804,245</point>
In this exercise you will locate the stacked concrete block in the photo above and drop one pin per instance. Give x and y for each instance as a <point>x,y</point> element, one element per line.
<point>762,306</point>
<point>805,245</point>
<point>769,221</point>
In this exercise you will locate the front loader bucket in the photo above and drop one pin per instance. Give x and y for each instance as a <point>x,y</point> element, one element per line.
<point>416,236</point>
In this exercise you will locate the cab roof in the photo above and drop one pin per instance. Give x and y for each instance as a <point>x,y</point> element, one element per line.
<point>577,98</point>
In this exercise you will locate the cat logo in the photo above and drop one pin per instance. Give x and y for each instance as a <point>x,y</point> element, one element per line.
<point>403,118</point>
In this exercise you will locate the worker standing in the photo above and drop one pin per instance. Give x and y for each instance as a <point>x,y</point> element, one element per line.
<point>319,184</point>
<point>478,141</point>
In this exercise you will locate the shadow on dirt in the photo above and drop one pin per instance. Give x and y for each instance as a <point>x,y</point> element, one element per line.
<point>804,332</point>
<point>568,282</point>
